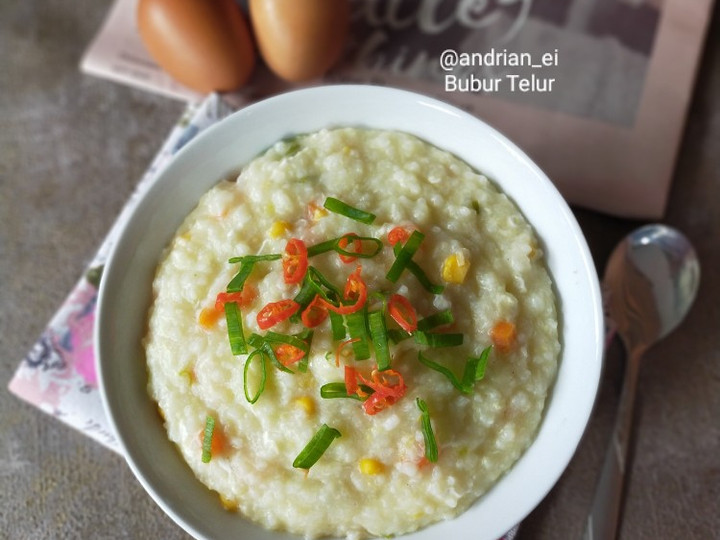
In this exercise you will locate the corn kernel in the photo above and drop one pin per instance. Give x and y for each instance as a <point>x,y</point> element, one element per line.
<point>227,504</point>
<point>306,403</point>
<point>455,267</point>
<point>279,228</point>
<point>188,374</point>
<point>315,212</point>
<point>371,466</point>
<point>209,317</point>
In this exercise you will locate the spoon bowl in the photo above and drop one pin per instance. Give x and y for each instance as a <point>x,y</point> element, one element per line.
<point>650,283</point>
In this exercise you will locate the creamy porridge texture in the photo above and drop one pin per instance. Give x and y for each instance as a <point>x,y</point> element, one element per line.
<point>353,396</point>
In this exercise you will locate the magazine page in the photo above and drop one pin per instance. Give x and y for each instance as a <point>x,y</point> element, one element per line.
<point>595,91</point>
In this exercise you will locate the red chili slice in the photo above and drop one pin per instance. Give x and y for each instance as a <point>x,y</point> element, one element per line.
<point>402,312</point>
<point>315,313</point>
<point>343,243</point>
<point>275,312</point>
<point>388,386</point>
<point>295,261</point>
<point>398,234</point>
<point>351,380</point>
<point>338,353</point>
<point>355,291</point>
<point>288,354</point>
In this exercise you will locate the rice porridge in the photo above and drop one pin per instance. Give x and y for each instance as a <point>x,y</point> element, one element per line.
<point>354,338</point>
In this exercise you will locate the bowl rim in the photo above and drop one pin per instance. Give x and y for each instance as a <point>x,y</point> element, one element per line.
<point>568,424</point>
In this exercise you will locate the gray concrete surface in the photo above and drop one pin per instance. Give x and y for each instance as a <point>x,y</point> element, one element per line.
<point>71,149</point>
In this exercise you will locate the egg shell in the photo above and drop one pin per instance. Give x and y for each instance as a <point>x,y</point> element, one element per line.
<point>300,40</point>
<point>203,44</point>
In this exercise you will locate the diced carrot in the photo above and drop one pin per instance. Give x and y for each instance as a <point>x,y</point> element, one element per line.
<point>217,443</point>
<point>503,336</point>
<point>209,317</point>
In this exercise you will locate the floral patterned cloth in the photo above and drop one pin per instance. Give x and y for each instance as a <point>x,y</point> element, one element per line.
<point>58,373</point>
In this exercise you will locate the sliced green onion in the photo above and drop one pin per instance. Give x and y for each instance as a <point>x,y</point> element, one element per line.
<point>322,247</point>
<point>293,147</point>
<point>438,340</point>
<point>422,278</point>
<point>294,340</point>
<point>474,370</point>
<point>263,375</point>
<point>357,328</point>
<point>431,449</point>
<point>255,258</point>
<point>337,325</point>
<point>344,209</point>
<point>259,342</point>
<point>397,335</point>
<point>440,318</point>
<point>317,446</point>
<point>404,255</point>
<point>336,390</point>
<point>334,245</point>
<point>419,273</point>
<point>238,282</point>
<point>379,336</point>
<point>319,280</point>
<point>361,255</point>
<point>445,371</point>
<point>306,336</point>
<point>480,364</point>
<point>207,439</point>
<point>302,341</point>
<point>235,328</point>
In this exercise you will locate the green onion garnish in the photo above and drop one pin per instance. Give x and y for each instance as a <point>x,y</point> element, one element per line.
<point>317,446</point>
<point>440,318</point>
<point>263,375</point>
<point>334,245</point>
<point>438,340</point>
<point>318,280</point>
<point>259,342</point>
<point>335,390</point>
<point>293,147</point>
<point>474,370</point>
<point>300,340</point>
<point>344,209</point>
<point>337,325</point>
<point>379,336</point>
<point>322,247</point>
<point>357,328</point>
<point>235,328</point>
<point>255,258</point>
<point>404,255</point>
<point>431,449</point>
<point>378,246</point>
<point>419,273</point>
<point>207,439</point>
<point>238,282</point>
<point>247,263</point>
<point>480,364</point>
<point>397,335</point>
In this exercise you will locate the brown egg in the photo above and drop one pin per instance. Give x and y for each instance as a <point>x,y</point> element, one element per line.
<point>300,39</point>
<point>203,44</point>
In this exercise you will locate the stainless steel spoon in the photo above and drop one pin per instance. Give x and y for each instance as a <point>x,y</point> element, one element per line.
<point>650,282</point>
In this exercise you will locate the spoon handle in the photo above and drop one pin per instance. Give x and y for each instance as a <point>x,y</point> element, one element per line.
<point>602,522</point>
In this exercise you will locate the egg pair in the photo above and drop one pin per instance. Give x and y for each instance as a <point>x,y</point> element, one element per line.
<point>208,45</point>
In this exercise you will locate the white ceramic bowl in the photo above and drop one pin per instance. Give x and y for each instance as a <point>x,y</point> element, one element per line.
<point>125,295</point>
